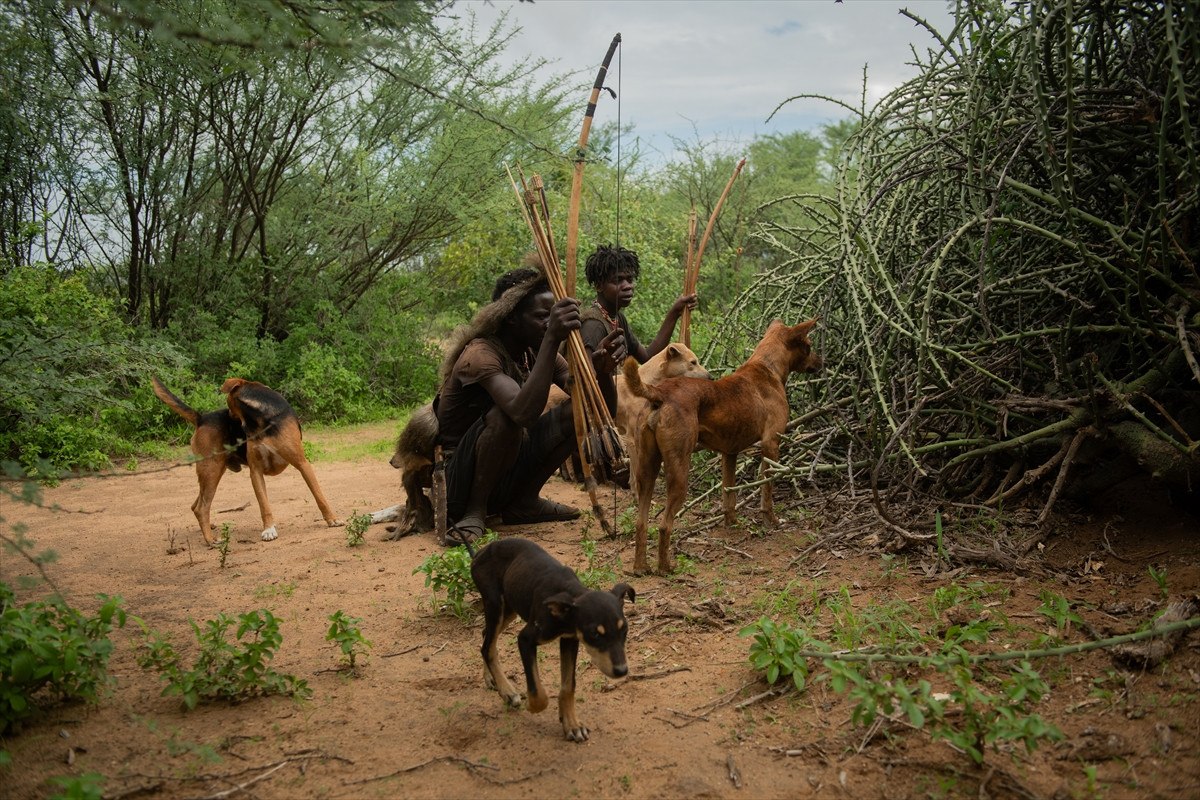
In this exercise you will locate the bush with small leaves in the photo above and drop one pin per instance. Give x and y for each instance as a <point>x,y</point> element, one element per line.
<point>344,632</point>
<point>51,651</point>
<point>224,671</point>
<point>450,572</point>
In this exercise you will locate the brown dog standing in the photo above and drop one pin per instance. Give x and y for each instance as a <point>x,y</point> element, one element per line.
<point>674,361</point>
<point>258,429</point>
<point>726,415</point>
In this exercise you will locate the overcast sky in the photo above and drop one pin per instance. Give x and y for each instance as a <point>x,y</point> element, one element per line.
<point>718,68</point>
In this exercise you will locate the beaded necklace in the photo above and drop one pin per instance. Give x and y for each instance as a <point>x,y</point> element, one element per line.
<point>612,323</point>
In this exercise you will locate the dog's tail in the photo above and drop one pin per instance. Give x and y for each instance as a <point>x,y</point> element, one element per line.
<point>178,406</point>
<point>633,382</point>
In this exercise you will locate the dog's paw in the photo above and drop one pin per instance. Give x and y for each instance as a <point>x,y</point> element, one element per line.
<point>335,523</point>
<point>270,534</point>
<point>538,703</point>
<point>513,700</point>
<point>576,733</point>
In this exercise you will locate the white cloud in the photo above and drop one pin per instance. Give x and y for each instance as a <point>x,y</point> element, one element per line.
<point>725,65</point>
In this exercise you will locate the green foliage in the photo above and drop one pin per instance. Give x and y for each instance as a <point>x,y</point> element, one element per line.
<point>774,651</point>
<point>976,713</point>
<point>356,527</point>
<point>1159,577</point>
<point>69,366</point>
<point>223,541</point>
<point>450,572</point>
<point>1057,609</point>
<point>343,632</point>
<point>51,651</point>
<point>223,670</point>
<point>595,576</point>
<point>88,786</point>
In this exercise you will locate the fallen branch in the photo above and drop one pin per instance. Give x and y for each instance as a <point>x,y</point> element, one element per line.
<point>468,763</point>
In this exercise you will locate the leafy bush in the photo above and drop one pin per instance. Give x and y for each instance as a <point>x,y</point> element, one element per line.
<point>224,671</point>
<point>774,651</point>
<point>68,357</point>
<point>982,719</point>
<point>50,649</point>
<point>88,786</point>
<point>356,529</point>
<point>450,572</point>
<point>343,631</point>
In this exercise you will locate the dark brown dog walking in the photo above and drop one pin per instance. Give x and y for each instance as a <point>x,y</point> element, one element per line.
<point>726,415</point>
<point>259,429</point>
<point>516,577</point>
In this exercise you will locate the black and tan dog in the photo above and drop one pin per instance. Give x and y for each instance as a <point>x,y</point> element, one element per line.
<point>517,577</point>
<point>258,429</point>
<point>726,416</point>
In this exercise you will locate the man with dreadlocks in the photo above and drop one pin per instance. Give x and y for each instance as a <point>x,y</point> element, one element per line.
<point>612,271</point>
<point>499,448</point>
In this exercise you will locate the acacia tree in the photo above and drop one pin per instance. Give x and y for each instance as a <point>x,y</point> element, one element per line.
<point>251,159</point>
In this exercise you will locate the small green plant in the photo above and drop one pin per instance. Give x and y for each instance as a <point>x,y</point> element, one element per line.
<point>272,590</point>
<point>1160,578</point>
<point>684,566</point>
<point>774,651</point>
<point>88,786</point>
<point>592,576</point>
<point>343,631</point>
<point>1057,609</point>
<point>224,670</point>
<point>223,542</point>
<point>49,651</point>
<point>450,572</point>
<point>356,528</point>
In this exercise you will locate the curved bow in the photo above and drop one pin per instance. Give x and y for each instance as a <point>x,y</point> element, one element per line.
<point>580,159</point>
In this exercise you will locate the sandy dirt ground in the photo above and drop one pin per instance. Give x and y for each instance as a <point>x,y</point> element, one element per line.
<point>692,721</point>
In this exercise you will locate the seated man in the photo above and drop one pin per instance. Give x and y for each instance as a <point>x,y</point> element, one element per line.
<point>612,271</point>
<point>498,446</point>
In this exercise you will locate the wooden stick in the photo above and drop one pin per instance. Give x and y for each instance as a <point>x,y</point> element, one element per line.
<point>685,324</point>
<point>590,413</point>
<point>693,273</point>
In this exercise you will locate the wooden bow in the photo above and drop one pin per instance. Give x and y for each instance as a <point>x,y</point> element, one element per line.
<point>580,160</point>
<point>692,268</point>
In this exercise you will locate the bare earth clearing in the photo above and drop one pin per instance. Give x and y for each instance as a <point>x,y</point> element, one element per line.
<point>418,722</point>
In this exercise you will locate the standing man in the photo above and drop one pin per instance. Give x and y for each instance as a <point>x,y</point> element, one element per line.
<point>612,272</point>
<point>498,445</point>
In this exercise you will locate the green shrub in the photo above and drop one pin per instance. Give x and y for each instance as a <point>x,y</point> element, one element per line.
<point>51,651</point>
<point>67,357</point>
<point>88,786</point>
<point>450,572</point>
<point>224,671</point>
<point>343,631</point>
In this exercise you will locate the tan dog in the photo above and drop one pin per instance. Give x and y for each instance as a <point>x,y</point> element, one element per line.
<point>673,361</point>
<point>258,429</point>
<point>726,415</point>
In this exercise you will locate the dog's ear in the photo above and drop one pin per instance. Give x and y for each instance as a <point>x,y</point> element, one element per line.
<point>232,385</point>
<point>560,605</point>
<point>805,327</point>
<point>673,352</point>
<point>623,590</point>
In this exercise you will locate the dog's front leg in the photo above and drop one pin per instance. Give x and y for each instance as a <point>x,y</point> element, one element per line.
<point>568,649</point>
<point>269,532</point>
<point>527,644</point>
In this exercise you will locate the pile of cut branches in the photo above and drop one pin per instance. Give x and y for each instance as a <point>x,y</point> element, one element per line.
<point>1007,270</point>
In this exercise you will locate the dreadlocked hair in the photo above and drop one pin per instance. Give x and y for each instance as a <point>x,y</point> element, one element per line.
<point>512,289</point>
<point>606,261</point>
